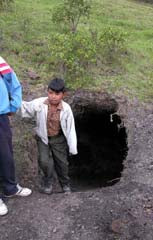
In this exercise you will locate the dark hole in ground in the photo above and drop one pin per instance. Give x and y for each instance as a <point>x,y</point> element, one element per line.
<point>102,148</point>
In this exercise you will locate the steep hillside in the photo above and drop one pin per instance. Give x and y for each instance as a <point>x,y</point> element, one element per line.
<point>25,29</point>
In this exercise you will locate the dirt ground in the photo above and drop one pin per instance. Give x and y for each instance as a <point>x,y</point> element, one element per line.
<point>123,211</point>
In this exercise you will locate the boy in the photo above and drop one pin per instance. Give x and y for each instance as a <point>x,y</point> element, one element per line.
<point>10,101</point>
<point>55,133</point>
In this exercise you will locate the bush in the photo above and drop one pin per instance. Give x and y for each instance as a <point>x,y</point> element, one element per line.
<point>112,42</point>
<point>4,4</point>
<point>75,56</point>
<point>72,56</point>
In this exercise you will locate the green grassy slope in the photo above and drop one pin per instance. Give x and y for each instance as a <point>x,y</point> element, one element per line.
<point>24,32</point>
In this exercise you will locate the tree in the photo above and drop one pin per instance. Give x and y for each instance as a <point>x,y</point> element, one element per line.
<point>70,12</point>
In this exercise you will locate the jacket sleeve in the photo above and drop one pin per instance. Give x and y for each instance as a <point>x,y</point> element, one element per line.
<point>29,109</point>
<point>14,90</point>
<point>71,133</point>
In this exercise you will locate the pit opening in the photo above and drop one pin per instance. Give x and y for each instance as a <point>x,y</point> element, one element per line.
<point>102,148</point>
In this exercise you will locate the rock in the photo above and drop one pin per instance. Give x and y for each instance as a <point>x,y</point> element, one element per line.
<point>33,75</point>
<point>117,225</point>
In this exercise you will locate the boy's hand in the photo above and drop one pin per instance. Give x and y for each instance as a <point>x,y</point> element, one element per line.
<point>10,114</point>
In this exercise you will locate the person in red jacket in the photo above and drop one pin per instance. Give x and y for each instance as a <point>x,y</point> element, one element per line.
<point>10,101</point>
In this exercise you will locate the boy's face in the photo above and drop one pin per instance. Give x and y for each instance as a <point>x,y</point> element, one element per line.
<point>55,97</point>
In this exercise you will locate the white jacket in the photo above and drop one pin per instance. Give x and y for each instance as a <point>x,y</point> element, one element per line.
<point>37,108</point>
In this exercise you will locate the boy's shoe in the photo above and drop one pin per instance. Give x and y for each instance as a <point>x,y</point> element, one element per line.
<point>46,189</point>
<point>22,192</point>
<point>66,189</point>
<point>45,186</point>
<point>3,208</point>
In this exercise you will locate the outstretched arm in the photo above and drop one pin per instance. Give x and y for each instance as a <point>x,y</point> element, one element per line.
<point>28,109</point>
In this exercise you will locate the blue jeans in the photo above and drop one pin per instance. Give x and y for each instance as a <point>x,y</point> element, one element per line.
<point>7,168</point>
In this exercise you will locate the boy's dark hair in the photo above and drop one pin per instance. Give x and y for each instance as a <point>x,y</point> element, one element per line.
<point>57,85</point>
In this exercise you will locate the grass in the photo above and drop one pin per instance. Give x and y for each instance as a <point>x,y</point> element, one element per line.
<point>26,27</point>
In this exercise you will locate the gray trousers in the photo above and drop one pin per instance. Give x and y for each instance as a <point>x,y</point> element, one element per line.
<point>54,156</point>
